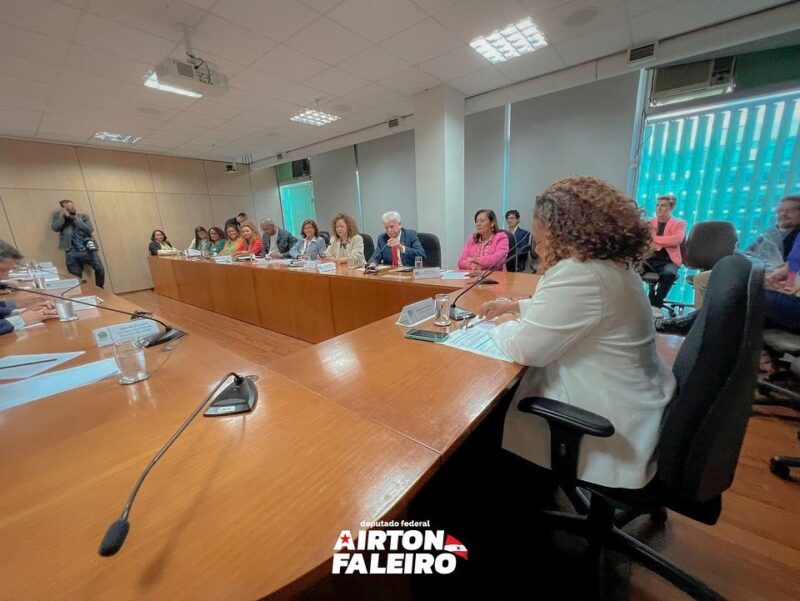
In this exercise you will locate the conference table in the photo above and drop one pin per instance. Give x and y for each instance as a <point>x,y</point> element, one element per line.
<point>242,506</point>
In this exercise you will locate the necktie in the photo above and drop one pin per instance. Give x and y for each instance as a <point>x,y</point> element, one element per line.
<point>396,255</point>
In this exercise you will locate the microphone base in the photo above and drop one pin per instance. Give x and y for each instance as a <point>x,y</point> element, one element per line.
<point>235,398</point>
<point>457,313</point>
<point>487,281</point>
<point>167,335</point>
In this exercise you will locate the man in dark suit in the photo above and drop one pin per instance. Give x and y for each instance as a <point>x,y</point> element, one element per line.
<point>523,238</point>
<point>398,245</point>
<point>275,241</point>
<point>10,316</point>
<point>75,239</point>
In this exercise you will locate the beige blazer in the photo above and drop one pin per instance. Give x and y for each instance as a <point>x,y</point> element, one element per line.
<point>354,248</point>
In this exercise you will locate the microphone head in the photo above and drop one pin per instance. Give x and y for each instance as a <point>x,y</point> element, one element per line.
<point>114,538</point>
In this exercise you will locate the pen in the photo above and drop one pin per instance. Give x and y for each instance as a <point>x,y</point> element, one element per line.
<point>28,363</point>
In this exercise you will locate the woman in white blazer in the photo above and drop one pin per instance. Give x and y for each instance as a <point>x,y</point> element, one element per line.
<point>346,242</point>
<point>587,333</point>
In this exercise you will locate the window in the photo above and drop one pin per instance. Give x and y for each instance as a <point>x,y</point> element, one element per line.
<point>297,202</point>
<point>729,162</point>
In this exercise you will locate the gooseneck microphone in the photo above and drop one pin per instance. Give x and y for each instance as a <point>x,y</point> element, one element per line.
<point>117,532</point>
<point>456,312</point>
<point>170,333</point>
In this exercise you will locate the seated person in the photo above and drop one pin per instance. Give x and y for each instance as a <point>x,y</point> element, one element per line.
<point>237,221</point>
<point>34,313</point>
<point>216,240</point>
<point>311,245</point>
<point>158,241</point>
<point>275,241</point>
<point>200,241</point>
<point>249,242</point>
<point>231,240</point>
<point>398,245</point>
<point>587,333</point>
<point>665,260</point>
<point>519,259</point>
<point>346,242</point>
<point>487,247</point>
<point>782,308</point>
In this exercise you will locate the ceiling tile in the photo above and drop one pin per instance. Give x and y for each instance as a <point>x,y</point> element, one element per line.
<point>24,94</point>
<point>553,22</point>
<point>403,105</point>
<point>69,78</point>
<point>17,67</point>
<point>377,20</point>
<point>48,18</point>
<point>161,98</point>
<point>20,130</point>
<point>322,6</point>
<point>411,81</point>
<point>213,109</point>
<point>373,95</point>
<point>374,64</point>
<point>101,33</point>
<point>269,112</point>
<point>18,116</point>
<point>230,41</point>
<point>343,107</point>
<point>263,84</point>
<point>480,81</point>
<point>372,116</point>
<point>636,7</point>
<point>456,63</point>
<point>337,82</point>
<point>433,6</point>
<point>536,7</point>
<point>158,17</point>
<point>194,129</point>
<point>597,44</point>
<point>290,64</point>
<point>470,18</point>
<point>531,65</point>
<point>231,130</point>
<point>204,121</point>
<point>204,4</point>
<point>105,64</point>
<point>327,41</point>
<point>31,46</point>
<point>239,98</point>
<point>277,19</point>
<point>422,42</point>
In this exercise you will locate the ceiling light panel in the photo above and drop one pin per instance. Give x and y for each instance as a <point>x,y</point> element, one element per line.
<point>152,82</point>
<point>313,117</point>
<point>108,136</point>
<point>510,42</point>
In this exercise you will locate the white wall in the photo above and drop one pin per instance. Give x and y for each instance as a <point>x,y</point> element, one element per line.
<point>483,164</point>
<point>334,176</point>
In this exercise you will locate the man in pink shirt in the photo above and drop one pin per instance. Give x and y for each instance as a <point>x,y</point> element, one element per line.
<point>665,260</point>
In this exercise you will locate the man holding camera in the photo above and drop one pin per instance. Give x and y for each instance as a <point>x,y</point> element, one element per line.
<point>75,239</point>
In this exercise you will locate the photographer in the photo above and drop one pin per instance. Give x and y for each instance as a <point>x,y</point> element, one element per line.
<point>75,239</point>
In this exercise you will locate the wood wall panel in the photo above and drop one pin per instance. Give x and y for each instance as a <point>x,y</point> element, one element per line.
<point>181,213</point>
<point>225,207</point>
<point>227,184</point>
<point>30,213</point>
<point>163,277</point>
<point>233,293</point>
<point>125,221</point>
<point>39,166</point>
<point>177,176</point>
<point>5,227</point>
<point>115,171</point>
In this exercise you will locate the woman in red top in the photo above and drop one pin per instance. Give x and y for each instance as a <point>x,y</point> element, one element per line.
<point>249,241</point>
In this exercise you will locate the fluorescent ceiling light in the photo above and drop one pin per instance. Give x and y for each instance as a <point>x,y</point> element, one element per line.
<point>312,117</point>
<point>112,137</point>
<point>152,82</point>
<point>512,41</point>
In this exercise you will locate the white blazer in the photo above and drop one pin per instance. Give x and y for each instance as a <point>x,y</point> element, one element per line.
<point>587,335</point>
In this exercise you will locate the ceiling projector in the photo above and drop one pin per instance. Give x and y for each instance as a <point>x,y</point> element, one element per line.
<point>193,75</point>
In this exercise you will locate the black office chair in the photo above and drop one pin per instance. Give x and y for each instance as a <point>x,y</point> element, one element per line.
<point>701,435</point>
<point>369,246</point>
<point>512,258</point>
<point>433,249</point>
<point>325,236</point>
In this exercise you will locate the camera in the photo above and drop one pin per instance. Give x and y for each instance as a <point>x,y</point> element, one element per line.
<point>230,168</point>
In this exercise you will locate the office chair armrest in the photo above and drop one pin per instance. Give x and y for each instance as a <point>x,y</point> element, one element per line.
<point>567,416</point>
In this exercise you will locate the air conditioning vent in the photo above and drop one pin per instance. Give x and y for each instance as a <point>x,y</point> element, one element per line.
<point>393,123</point>
<point>280,156</point>
<point>690,81</point>
<point>185,69</point>
<point>642,54</point>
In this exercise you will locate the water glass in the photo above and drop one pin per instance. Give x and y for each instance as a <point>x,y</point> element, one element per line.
<point>417,262</point>
<point>39,282</point>
<point>442,302</point>
<point>131,361</point>
<point>65,310</point>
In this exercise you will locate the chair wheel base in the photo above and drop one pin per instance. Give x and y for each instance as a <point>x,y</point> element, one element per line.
<point>780,467</point>
<point>658,516</point>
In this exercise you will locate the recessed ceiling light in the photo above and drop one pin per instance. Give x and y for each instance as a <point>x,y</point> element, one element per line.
<point>512,41</point>
<point>582,16</point>
<point>152,82</point>
<point>314,117</point>
<point>108,136</point>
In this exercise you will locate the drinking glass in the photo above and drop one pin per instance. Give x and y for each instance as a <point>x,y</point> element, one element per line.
<point>65,310</point>
<point>131,361</point>
<point>442,310</point>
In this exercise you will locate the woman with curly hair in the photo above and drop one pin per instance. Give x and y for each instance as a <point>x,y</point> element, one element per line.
<point>587,333</point>
<point>346,242</point>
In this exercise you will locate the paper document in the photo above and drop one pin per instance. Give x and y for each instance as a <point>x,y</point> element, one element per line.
<point>455,275</point>
<point>476,340</point>
<point>25,366</point>
<point>25,391</point>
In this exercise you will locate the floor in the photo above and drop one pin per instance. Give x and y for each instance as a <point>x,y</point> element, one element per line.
<point>752,553</point>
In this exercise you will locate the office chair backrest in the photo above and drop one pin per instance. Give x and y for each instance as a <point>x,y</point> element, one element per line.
<point>433,249</point>
<point>325,236</point>
<point>708,242</point>
<point>511,258</point>
<point>369,246</point>
<point>716,370</point>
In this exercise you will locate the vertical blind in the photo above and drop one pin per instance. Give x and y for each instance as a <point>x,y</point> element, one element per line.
<point>730,161</point>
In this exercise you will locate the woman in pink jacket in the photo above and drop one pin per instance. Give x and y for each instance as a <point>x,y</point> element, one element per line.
<point>665,259</point>
<point>487,247</point>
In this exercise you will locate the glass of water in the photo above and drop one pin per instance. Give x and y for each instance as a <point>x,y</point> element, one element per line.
<point>131,362</point>
<point>417,263</point>
<point>442,302</point>
<point>65,310</point>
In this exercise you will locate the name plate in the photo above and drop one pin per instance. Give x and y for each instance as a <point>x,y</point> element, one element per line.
<point>58,284</point>
<point>425,273</point>
<point>309,264</point>
<point>86,299</point>
<point>223,259</point>
<point>326,267</point>
<point>416,313</point>
<point>122,332</point>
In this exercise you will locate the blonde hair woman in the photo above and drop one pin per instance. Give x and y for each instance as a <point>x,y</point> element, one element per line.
<point>587,333</point>
<point>346,242</point>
